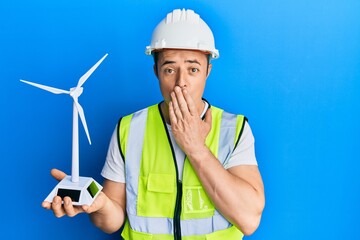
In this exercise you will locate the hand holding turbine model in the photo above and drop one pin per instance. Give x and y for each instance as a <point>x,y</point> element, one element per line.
<point>81,190</point>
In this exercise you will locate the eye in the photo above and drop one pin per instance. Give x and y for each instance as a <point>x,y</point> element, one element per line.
<point>169,70</point>
<point>194,70</point>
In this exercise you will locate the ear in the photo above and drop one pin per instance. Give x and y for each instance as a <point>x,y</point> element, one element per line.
<point>155,70</point>
<point>209,67</point>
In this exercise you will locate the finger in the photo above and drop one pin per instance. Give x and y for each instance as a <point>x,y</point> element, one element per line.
<point>190,103</point>
<point>181,101</point>
<point>207,122</point>
<point>46,205</point>
<point>57,174</point>
<point>57,207</point>
<point>176,107</point>
<point>69,208</point>
<point>172,116</point>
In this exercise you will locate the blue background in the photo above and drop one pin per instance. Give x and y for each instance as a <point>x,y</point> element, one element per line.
<point>292,67</point>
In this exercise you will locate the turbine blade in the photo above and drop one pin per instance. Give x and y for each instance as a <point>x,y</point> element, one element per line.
<point>89,72</point>
<point>83,120</point>
<point>47,88</point>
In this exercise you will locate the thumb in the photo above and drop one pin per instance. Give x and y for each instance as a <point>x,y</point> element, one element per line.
<point>57,174</point>
<point>99,203</point>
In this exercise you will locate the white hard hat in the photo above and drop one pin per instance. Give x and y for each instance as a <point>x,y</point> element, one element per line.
<point>183,29</point>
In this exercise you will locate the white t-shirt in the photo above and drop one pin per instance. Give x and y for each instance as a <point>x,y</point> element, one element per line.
<point>244,154</point>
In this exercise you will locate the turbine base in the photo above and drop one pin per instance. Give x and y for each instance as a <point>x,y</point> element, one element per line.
<point>82,192</point>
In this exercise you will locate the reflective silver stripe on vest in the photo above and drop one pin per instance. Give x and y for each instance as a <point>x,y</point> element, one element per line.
<point>157,225</point>
<point>133,158</point>
<point>227,138</point>
<point>200,226</point>
<point>203,226</point>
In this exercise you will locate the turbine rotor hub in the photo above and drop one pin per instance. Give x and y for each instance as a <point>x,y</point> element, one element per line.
<point>75,92</point>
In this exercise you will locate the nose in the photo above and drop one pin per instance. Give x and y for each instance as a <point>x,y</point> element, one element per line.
<point>181,79</point>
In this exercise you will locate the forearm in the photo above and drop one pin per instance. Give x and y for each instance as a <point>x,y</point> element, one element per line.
<point>239,200</point>
<point>110,218</point>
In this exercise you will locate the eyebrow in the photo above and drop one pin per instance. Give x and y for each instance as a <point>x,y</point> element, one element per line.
<point>187,61</point>
<point>193,61</point>
<point>167,62</point>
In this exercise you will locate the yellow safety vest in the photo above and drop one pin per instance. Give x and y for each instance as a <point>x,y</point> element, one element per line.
<point>158,205</point>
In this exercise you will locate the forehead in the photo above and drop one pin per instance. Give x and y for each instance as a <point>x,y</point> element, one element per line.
<point>181,55</point>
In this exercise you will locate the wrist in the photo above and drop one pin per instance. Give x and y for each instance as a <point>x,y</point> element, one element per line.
<point>198,154</point>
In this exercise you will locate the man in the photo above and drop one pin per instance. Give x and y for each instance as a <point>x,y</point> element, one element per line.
<point>180,169</point>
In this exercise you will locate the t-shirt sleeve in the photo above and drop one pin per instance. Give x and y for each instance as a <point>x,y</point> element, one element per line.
<point>114,165</point>
<point>244,152</point>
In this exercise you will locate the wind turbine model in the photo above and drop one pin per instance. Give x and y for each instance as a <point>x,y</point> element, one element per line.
<point>81,190</point>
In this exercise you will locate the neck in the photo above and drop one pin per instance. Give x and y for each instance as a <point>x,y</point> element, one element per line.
<point>165,111</point>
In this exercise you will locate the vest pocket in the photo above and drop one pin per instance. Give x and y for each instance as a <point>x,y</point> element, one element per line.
<point>161,183</point>
<point>156,195</point>
<point>197,203</point>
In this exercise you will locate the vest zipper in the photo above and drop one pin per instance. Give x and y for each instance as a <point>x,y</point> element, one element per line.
<point>177,211</point>
<point>177,226</point>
